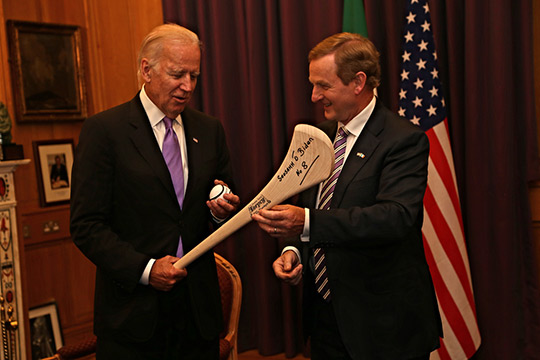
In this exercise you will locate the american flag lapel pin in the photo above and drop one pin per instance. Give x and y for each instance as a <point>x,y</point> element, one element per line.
<point>361,155</point>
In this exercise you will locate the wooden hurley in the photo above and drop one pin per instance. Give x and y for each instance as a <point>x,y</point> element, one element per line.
<point>309,161</point>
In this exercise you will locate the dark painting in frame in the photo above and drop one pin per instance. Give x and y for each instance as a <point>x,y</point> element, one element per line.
<point>45,330</point>
<point>47,71</point>
<point>54,161</point>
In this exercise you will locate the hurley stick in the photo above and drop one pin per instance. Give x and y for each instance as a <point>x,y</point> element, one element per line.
<point>309,161</point>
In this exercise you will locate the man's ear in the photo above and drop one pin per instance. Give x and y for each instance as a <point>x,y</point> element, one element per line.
<point>359,82</point>
<point>145,70</point>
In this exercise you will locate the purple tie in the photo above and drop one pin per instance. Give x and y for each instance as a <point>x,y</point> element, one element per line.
<point>327,192</point>
<point>173,158</point>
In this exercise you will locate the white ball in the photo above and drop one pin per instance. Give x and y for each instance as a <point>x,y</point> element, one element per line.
<point>218,191</point>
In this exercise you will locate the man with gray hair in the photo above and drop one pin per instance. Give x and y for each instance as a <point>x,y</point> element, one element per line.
<point>141,178</point>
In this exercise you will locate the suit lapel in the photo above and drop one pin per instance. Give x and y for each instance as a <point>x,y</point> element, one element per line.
<point>363,149</point>
<point>143,139</point>
<point>193,132</point>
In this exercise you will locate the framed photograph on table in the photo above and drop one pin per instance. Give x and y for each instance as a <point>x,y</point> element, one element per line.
<point>54,160</point>
<point>45,331</point>
<point>46,71</point>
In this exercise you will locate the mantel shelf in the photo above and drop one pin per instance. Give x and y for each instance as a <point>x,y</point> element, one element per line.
<point>11,165</point>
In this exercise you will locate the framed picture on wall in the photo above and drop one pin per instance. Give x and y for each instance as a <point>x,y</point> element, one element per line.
<point>45,331</point>
<point>46,71</point>
<point>54,160</point>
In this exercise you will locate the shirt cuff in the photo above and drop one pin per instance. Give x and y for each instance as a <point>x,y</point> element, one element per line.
<point>292,248</point>
<point>145,278</point>
<point>304,237</point>
<point>216,219</point>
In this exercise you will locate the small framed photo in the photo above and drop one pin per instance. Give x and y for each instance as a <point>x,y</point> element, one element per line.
<point>46,71</point>
<point>54,160</point>
<point>45,331</point>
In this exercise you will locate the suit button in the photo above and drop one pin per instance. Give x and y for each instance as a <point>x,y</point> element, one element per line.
<point>181,224</point>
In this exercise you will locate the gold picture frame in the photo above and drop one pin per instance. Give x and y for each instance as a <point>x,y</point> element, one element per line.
<point>47,72</point>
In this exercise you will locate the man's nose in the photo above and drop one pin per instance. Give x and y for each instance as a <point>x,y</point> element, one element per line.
<point>315,95</point>
<point>187,83</point>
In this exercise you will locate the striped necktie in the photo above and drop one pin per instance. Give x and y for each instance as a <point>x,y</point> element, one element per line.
<point>327,192</point>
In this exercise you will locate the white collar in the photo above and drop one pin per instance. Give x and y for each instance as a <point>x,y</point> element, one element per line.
<point>155,115</point>
<point>357,123</point>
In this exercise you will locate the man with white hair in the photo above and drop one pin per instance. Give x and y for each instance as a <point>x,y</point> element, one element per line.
<point>141,177</point>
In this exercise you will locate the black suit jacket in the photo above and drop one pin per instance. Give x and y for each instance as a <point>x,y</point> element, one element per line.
<point>124,211</point>
<point>382,292</point>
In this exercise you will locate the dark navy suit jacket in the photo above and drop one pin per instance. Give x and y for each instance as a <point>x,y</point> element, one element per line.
<point>382,292</point>
<point>124,211</point>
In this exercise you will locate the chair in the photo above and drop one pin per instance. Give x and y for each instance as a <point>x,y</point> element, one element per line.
<point>80,350</point>
<point>230,287</point>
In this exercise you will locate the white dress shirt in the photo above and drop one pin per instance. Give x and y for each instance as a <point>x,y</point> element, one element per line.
<point>155,115</point>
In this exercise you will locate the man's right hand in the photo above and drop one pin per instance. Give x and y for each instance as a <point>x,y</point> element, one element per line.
<point>164,275</point>
<point>288,268</point>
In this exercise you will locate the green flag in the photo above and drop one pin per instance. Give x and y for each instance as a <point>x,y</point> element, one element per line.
<point>354,19</point>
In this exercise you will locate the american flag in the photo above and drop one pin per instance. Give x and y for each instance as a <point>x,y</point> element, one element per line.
<point>422,102</point>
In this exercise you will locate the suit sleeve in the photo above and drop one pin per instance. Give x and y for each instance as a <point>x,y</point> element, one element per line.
<point>385,205</point>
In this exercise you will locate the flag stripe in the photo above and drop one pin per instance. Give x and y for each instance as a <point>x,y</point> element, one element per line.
<point>436,255</point>
<point>446,264</point>
<point>447,242</point>
<point>442,133</point>
<point>441,158</point>
<point>452,342</point>
<point>443,191</point>
<point>453,318</point>
<point>447,230</point>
